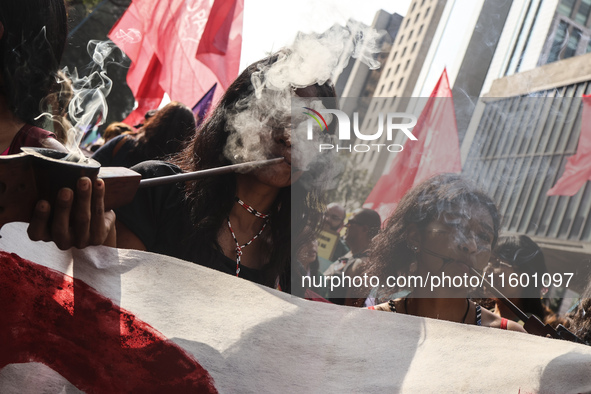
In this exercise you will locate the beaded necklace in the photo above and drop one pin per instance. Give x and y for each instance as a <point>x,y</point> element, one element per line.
<point>238,246</point>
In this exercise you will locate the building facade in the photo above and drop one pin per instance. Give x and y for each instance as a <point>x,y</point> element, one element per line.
<point>518,145</point>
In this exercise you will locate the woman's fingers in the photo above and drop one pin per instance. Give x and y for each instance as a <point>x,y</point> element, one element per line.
<point>38,229</point>
<point>60,224</point>
<point>81,214</point>
<point>78,220</point>
<point>102,223</point>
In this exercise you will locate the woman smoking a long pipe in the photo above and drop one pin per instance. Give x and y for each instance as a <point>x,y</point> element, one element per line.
<point>236,223</point>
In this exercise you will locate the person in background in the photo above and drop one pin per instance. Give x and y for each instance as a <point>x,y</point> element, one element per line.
<point>307,256</point>
<point>116,129</point>
<point>516,255</point>
<point>147,117</point>
<point>362,226</point>
<point>334,218</point>
<point>163,135</point>
<point>32,40</point>
<point>113,130</point>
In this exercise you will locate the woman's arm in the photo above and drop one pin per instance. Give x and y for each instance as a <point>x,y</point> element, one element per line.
<point>126,239</point>
<point>489,319</point>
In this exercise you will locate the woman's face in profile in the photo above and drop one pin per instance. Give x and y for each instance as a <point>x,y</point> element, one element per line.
<point>279,143</point>
<point>465,237</point>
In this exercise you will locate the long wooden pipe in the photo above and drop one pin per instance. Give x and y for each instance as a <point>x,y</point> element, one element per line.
<point>38,174</point>
<point>191,176</point>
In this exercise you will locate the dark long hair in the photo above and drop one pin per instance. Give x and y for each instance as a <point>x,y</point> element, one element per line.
<point>390,253</point>
<point>580,317</point>
<point>211,199</point>
<point>164,134</point>
<point>35,33</point>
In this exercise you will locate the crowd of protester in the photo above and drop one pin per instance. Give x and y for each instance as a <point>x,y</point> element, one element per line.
<point>243,224</point>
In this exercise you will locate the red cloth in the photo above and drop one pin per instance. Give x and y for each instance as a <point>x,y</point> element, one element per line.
<point>578,167</point>
<point>436,151</point>
<point>163,39</point>
<point>28,135</point>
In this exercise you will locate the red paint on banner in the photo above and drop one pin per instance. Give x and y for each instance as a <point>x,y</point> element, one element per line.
<point>51,318</point>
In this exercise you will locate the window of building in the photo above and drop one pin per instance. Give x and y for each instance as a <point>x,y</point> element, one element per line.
<point>572,44</point>
<point>413,47</point>
<point>427,12</point>
<point>388,72</point>
<point>390,87</point>
<point>559,37</point>
<point>400,83</point>
<point>407,64</point>
<point>566,7</point>
<point>420,30</point>
<point>410,34</point>
<point>525,32</point>
<point>401,39</point>
<point>413,7</point>
<point>403,52</point>
<point>583,12</point>
<point>397,68</point>
<point>417,17</point>
<point>422,3</point>
<point>394,56</point>
<point>381,90</point>
<point>407,22</point>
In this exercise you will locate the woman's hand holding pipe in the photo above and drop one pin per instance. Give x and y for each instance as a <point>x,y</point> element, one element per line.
<point>79,219</point>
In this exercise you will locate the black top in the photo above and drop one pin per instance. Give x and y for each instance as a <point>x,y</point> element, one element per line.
<point>160,218</point>
<point>122,158</point>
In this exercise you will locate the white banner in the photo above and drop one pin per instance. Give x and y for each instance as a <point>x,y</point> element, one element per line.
<point>136,321</point>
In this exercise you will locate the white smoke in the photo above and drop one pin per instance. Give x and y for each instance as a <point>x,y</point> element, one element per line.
<point>88,107</point>
<point>316,58</point>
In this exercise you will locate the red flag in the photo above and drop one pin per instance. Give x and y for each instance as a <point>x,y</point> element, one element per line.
<point>578,167</point>
<point>128,34</point>
<point>221,39</point>
<point>437,150</point>
<point>164,42</point>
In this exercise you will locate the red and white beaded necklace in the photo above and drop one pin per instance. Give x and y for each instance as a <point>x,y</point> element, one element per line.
<point>238,246</point>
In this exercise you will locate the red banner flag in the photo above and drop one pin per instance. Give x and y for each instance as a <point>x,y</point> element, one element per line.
<point>221,38</point>
<point>437,150</point>
<point>179,47</point>
<point>578,167</point>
